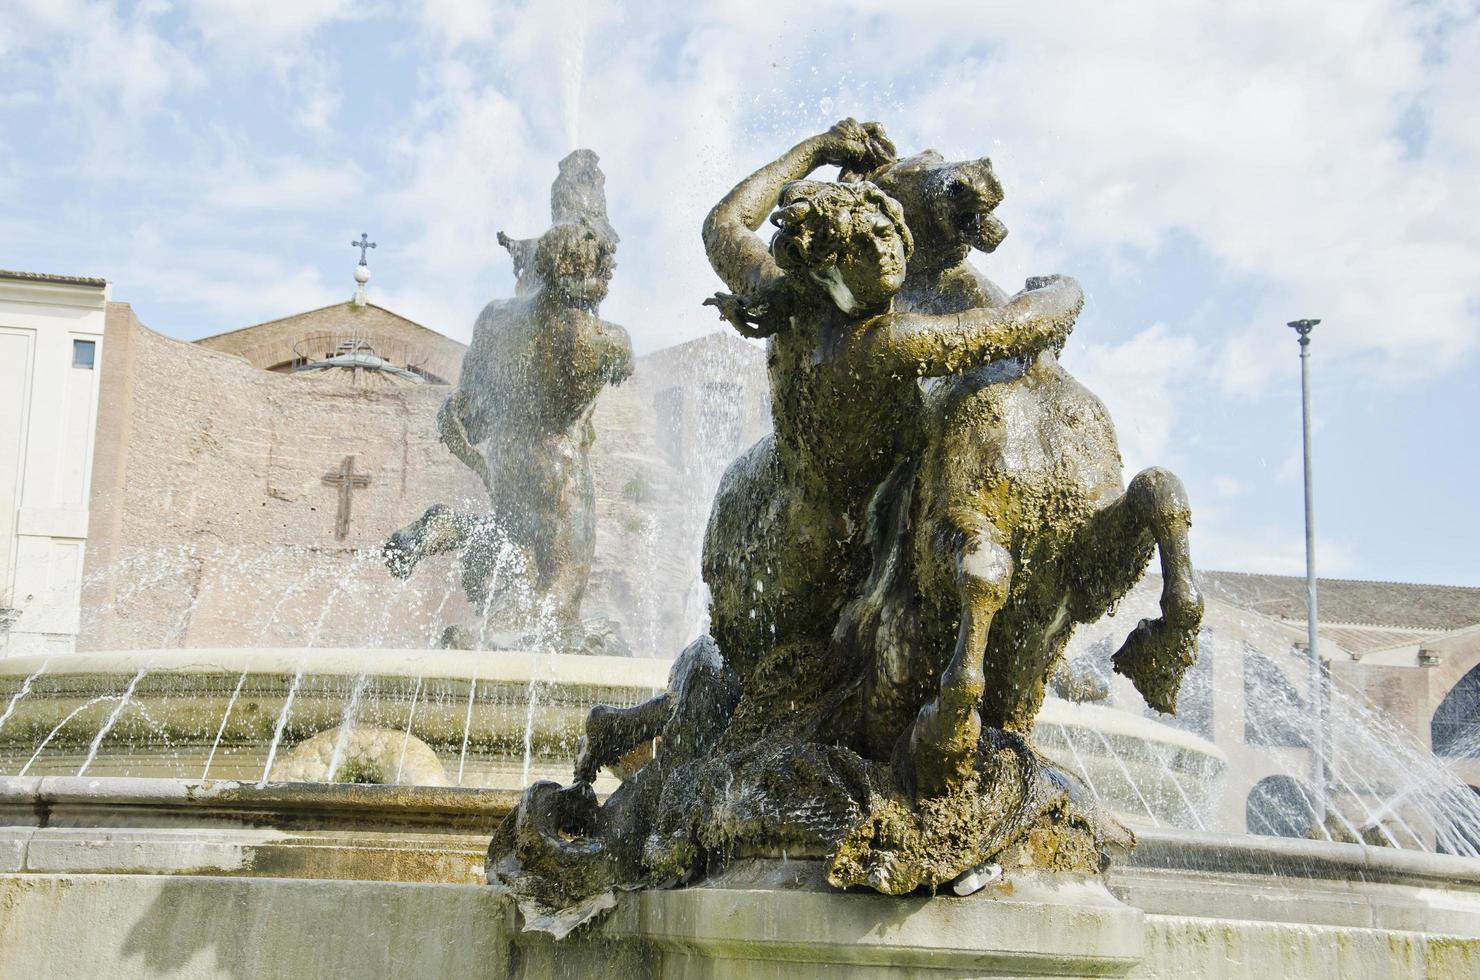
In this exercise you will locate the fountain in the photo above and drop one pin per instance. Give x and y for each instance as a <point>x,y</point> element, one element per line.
<point>861,771</point>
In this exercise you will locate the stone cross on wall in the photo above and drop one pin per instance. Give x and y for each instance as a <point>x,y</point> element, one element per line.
<point>347,480</point>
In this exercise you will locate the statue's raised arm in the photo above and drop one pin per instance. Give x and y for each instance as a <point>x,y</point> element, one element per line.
<point>935,345</point>
<point>742,259</point>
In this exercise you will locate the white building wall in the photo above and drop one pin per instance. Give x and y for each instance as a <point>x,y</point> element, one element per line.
<point>48,421</point>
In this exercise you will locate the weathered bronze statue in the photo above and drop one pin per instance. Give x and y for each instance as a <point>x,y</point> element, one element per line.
<point>894,571</point>
<point>520,418</point>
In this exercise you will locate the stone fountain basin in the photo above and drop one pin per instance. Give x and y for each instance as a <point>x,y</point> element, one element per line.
<point>220,879</point>
<point>471,709</point>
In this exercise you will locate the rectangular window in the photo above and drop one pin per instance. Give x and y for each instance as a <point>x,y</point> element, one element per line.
<point>83,352</point>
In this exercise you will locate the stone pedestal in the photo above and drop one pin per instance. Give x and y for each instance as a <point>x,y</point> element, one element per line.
<point>129,878</point>
<point>779,919</point>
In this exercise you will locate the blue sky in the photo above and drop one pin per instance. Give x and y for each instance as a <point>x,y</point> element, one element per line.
<point>1207,171</point>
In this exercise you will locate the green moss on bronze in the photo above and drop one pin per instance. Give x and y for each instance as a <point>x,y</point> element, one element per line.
<point>896,569</point>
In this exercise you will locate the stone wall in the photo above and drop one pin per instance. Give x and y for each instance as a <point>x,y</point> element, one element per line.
<point>213,524</point>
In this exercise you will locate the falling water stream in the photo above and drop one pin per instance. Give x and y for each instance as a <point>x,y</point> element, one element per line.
<point>462,756</point>
<point>236,693</point>
<point>92,751</point>
<point>346,725</point>
<point>1125,771</point>
<point>25,689</point>
<point>282,723</point>
<point>406,741</point>
<point>101,699</point>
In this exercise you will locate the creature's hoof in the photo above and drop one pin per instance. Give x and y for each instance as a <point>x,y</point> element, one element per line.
<point>1155,657</point>
<point>458,638</point>
<point>592,748</point>
<point>397,558</point>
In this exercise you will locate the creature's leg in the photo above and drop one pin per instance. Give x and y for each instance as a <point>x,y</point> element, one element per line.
<point>457,439</point>
<point>943,739</point>
<point>1111,554</point>
<point>564,534</point>
<point>1020,672</point>
<point>613,732</point>
<point>690,716</point>
<point>438,531</point>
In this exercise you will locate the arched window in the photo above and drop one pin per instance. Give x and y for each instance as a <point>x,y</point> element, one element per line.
<point>1456,726</point>
<point>1279,806</point>
<point>1274,711</point>
<point>1458,822</point>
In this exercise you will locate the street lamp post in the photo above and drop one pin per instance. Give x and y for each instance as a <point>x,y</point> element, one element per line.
<point>1318,747</point>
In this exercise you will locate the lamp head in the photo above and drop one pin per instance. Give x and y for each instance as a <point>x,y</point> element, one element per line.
<point>1303,328</point>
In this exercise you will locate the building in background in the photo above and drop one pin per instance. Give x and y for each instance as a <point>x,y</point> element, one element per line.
<point>236,491</point>
<point>1410,651</point>
<point>51,340</point>
<point>243,484</point>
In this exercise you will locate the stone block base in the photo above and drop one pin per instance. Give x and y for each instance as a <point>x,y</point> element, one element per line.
<point>764,920</point>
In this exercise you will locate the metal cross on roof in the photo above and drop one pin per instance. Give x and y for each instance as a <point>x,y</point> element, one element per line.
<point>363,244</point>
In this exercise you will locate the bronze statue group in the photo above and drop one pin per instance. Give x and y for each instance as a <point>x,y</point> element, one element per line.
<point>894,571</point>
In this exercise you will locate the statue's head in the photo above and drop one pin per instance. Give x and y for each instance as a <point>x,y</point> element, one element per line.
<point>949,205</point>
<point>850,239</point>
<point>574,261</point>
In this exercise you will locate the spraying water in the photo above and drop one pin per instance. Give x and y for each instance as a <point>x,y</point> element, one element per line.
<point>60,725</point>
<point>346,726</point>
<point>282,723</point>
<point>236,693</point>
<point>92,751</point>
<point>25,689</point>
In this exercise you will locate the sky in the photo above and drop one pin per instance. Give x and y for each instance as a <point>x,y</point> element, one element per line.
<point>1207,171</point>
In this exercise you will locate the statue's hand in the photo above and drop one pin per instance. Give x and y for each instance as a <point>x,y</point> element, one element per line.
<point>740,316</point>
<point>857,148</point>
<point>1042,282</point>
<point>621,367</point>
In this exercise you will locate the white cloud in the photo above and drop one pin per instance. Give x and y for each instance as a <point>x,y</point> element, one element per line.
<point>284,184</point>
<point>456,22</point>
<point>101,61</point>
<point>265,21</point>
<point>1264,132</point>
<point>280,38</point>
<point>1228,486</point>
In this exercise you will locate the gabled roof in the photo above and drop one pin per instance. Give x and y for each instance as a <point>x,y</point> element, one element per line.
<point>321,309</point>
<point>1395,607</point>
<point>49,277</point>
<point>316,334</point>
